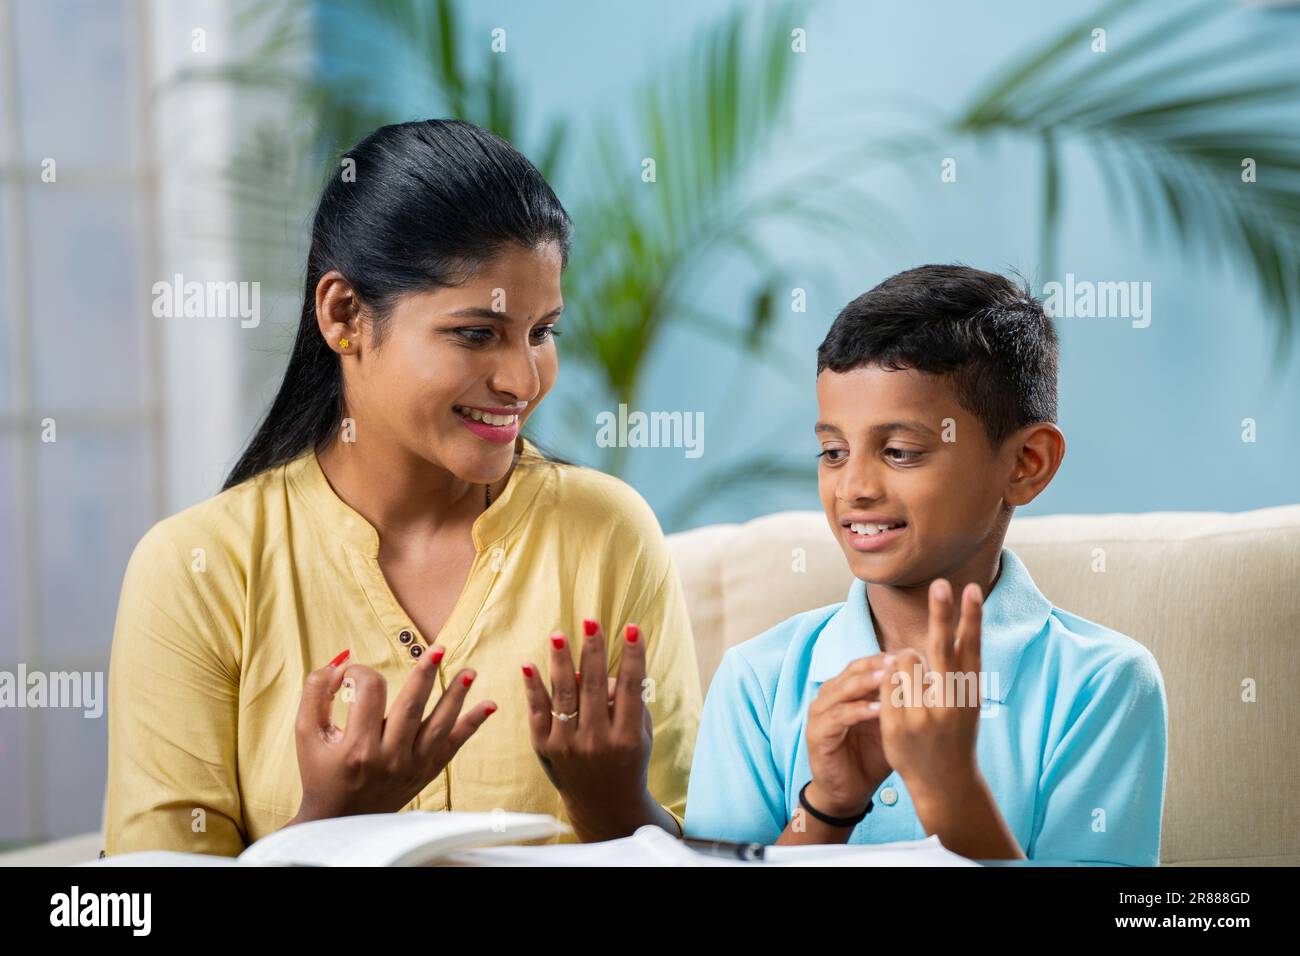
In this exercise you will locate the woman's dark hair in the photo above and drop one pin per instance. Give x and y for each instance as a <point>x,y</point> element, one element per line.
<point>421,206</point>
<point>989,335</point>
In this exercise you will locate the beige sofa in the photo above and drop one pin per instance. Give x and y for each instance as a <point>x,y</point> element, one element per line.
<point>1216,598</point>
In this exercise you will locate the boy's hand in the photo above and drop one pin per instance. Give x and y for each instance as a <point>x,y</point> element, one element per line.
<point>932,742</point>
<point>844,747</point>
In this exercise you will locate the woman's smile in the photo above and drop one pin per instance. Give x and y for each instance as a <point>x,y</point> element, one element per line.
<point>499,425</point>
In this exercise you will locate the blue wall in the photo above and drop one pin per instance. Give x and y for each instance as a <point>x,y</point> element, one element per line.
<point>1152,416</point>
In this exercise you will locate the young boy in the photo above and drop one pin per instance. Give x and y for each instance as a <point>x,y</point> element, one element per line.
<point>861,722</point>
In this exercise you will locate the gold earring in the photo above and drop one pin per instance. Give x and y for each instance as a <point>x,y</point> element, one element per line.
<point>343,343</point>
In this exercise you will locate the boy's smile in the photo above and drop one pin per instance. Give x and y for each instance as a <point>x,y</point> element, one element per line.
<point>871,532</point>
<point>909,483</point>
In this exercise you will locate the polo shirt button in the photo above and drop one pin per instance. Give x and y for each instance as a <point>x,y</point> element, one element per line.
<point>889,796</point>
<point>416,651</point>
<point>406,637</point>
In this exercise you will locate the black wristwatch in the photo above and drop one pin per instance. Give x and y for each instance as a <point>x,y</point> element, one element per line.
<point>826,818</point>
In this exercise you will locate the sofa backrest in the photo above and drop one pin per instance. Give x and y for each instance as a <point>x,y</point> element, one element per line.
<point>1214,596</point>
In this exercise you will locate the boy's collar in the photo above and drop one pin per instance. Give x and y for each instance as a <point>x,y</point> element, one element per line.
<point>1014,614</point>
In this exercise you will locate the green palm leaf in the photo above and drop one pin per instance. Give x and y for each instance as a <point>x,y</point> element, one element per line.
<point>1169,139</point>
<point>708,120</point>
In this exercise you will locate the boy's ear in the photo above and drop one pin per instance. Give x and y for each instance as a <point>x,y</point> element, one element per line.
<point>1038,452</point>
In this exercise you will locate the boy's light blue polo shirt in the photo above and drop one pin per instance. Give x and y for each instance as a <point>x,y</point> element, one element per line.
<point>1072,730</point>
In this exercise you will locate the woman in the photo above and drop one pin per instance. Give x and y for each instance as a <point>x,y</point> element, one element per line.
<point>387,527</point>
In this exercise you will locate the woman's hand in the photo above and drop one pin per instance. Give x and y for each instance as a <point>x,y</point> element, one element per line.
<point>378,764</point>
<point>845,753</point>
<point>598,758</point>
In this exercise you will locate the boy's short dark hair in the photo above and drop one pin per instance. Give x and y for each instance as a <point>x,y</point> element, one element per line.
<point>990,335</point>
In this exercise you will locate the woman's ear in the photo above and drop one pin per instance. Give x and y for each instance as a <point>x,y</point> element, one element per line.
<point>1039,449</point>
<point>338,313</point>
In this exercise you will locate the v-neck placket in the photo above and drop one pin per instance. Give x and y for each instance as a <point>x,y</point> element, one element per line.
<point>490,531</point>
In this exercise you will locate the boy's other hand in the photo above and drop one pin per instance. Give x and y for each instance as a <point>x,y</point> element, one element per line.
<point>928,728</point>
<point>845,750</point>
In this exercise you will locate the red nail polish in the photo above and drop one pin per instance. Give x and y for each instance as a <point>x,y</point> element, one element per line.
<point>467,679</point>
<point>557,641</point>
<point>489,710</point>
<point>589,627</point>
<point>632,632</point>
<point>340,659</point>
<point>528,671</point>
<point>437,656</point>
<point>577,676</point>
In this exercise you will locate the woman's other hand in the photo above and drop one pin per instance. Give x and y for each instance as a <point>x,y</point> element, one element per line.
<point>378,764</point>
<point>598,757</point>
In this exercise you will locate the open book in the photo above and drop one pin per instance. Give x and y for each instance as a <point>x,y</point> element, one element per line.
<point>409,838</point>
<point>651,846</point>
<point>421,837</point>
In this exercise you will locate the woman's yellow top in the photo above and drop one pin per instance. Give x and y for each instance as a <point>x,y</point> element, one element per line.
<point>226,607</point>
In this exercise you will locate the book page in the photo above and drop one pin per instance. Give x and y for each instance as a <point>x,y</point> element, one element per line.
<point>408,838</point>
<point>926,852</point>
<point>651,846</point>
<point>163,858</point>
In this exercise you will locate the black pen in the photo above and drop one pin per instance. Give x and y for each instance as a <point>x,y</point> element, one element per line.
<point>738,851</point>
